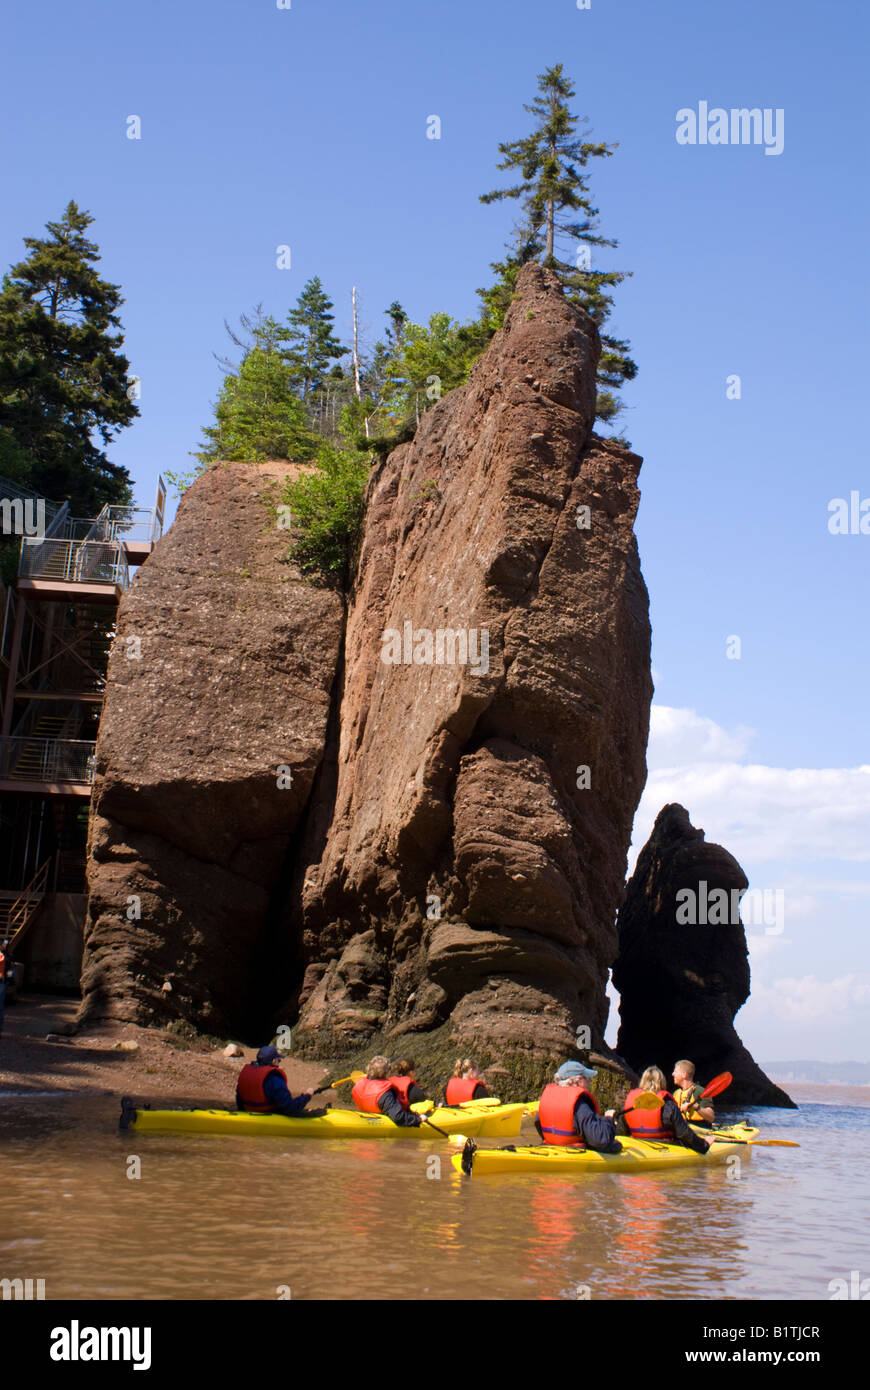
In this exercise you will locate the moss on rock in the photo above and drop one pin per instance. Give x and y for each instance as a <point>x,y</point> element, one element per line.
<point>513,1074</point>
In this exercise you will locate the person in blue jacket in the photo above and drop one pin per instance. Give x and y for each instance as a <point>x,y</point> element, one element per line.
<point>262,1087</point>
<point>568,1112</point>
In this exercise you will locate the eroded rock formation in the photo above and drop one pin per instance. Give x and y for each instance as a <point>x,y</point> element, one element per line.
<point>470,868</point>
<point>451,853</point>
<point>682,981</point>
<point>221,671</point>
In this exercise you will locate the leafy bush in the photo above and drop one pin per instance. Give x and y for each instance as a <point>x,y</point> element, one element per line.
<point>327,511</point>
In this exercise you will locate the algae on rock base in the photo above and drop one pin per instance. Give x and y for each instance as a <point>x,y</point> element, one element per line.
<point>515,1075</point>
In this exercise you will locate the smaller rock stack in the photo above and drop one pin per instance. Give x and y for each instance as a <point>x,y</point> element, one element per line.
<point>681,981</point>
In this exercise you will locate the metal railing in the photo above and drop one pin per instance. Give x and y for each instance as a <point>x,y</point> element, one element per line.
<point>131,523</point>
<point>21,913</point>
<point>74,562</point>
<point>47,759</point>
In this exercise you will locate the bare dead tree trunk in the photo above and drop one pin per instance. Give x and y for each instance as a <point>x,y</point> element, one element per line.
<point>356,385</point>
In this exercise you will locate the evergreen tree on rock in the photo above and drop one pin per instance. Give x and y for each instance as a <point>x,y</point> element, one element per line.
<point>64,380</point>
<point>311,343</point>
<point>258,414</point>
<point>557,207</point>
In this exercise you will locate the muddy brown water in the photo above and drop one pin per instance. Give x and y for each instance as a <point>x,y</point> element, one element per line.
<point>221,1218</point>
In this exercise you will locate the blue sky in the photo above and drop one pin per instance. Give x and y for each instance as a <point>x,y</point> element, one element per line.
<point>307,126</point>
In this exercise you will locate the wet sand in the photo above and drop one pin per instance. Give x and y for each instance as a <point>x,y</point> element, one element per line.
<point>162,1067</point>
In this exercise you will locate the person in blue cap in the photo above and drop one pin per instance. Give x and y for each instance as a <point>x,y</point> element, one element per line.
<point>568,1113</point>
<point>262,1087</point>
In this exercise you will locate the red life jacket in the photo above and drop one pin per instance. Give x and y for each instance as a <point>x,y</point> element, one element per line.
<point>646,1124</point>
<point>556,1113</point>
<point>401,1085</point>
<point>2,965</point>
<point>249,1088</point>
<point>366,1094</point>
<point>462,1088</point>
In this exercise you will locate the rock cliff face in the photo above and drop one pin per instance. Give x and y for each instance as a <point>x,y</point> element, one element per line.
<point>451,851</point>
<point>682,978</point>
<point>470,866</point>
<point>221,671</point>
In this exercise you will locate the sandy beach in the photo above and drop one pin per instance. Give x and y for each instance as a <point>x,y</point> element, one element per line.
<point>37,1054</point>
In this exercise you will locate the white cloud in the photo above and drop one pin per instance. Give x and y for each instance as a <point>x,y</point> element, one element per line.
<point>678,737</point>
<point>809,999</point>
<point>764,813</point>
<point>760,947</point>
<point>757,812</point>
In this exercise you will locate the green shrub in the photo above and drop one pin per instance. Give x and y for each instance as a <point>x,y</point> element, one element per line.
<point>327,511</point>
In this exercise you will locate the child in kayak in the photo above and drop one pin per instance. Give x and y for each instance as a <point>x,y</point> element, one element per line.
<point>406,1083</point>
<point>464,1084</point>
<point>665,1123</point>
<point>377,1094</point>
<point>688,1095</point>
<point>568,1112</point>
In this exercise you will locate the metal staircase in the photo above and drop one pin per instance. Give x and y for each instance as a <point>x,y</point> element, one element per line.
<point>56,627</point>
<point>18,914</point>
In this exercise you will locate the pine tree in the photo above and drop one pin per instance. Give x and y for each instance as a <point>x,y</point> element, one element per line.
<point>258,413</point>
<point>309,333</point>
<point>556,204</point>
<point>63,377</point>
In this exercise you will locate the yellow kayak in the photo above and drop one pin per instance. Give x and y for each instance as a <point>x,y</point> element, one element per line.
<point>477,1119</point>
<point>637,1156</point>
<point>741,1130</point>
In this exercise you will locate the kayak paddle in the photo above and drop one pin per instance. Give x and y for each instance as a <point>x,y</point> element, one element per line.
<point>354,1076</point>
<point>438,1130</point>
<point>715,1087</point>
<point>467,1160</point>
<point>647,1100</point>
<point>756,1143</point>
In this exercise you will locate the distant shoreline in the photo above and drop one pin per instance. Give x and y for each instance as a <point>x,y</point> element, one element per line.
<point>825,1092</point>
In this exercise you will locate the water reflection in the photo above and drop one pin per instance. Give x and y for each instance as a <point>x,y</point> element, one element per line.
<point>214,1217</point>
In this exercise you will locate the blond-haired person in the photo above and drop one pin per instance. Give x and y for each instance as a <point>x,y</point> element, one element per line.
<point>465,1083</point>
<point>688,1095</point>
<point>664,1124</point>
<point>376,1094</point>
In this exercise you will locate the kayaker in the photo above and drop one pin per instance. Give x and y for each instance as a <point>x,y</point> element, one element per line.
<point>465,1083</point>
<point>406,1083</point>
<point>663,1125</point>
<point>262,1087</point>
<point>377,1094</point>
<point>568,1112</point>
<point>688,1095</point>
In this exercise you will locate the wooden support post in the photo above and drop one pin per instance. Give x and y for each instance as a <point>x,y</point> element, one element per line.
<point>14,658</point>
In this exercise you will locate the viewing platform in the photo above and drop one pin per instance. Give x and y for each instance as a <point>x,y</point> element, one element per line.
<point>57,625</point>
<point>47,766</point>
